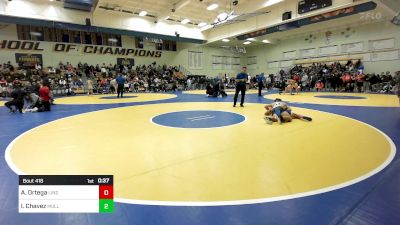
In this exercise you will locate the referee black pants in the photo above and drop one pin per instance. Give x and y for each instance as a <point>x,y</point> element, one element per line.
<point>242,89</point>
<point>260,87</point>
<point>120,90</point>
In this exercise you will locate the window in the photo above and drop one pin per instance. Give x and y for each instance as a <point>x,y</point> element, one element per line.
<point>50,34</point>
<point>76,37</point>
<point>174,46</point>
<point>159,46</point>
<point>252,62</point>
<point>166,46</point>
<point>23,32</point>
<point>65,36</point>
<point>112,40</point>
<point>38,33</point>
<point>87,38</point>
<point>169,45</point>
<point>139,43</point>
<point>59,35</point>
<point>106,39</point>
<point>99,39</point>
<point>195,60</point>
<point>119,40</point>
<point>225,62</point>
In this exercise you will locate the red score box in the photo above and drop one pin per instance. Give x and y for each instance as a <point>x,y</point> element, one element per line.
<point>106,192</point>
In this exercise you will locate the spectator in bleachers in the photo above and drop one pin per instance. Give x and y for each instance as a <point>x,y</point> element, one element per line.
<point>113,85</point>
<point>360,78</point>
<point>305,82</point>
<point>188,84</point>
<point>3,87</point>
<point>319,85</point>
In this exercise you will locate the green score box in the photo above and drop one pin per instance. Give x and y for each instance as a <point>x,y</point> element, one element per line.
<point>106,205</point>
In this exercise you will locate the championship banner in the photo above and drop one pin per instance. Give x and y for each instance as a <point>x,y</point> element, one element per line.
<point>126,61</point>
<point>78,49</point>
<point>28,59</point>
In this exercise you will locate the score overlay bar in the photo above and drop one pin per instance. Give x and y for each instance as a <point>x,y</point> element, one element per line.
<point>66,194</point>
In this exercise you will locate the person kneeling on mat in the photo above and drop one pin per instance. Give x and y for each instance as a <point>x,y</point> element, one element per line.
<point>45,97</point>
<point>17,102</point>
<point>33,103</point>
<point>216,90</point>
<point>280,112</point>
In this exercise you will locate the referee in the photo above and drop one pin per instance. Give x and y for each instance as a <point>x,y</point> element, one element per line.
<point>241,79</point>
<point>120,81</point>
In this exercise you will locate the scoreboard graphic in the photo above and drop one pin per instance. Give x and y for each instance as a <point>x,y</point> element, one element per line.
<point>305,6</point>
<point>66,194</point>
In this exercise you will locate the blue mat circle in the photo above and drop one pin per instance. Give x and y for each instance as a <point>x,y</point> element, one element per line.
<point>198,119</point>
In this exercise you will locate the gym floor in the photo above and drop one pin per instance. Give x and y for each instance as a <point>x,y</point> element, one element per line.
<point>184,158</point>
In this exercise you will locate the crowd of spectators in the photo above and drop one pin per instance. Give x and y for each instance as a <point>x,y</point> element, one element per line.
<point>70,79</point>
<point>144,78</point>
<point>349,77</point>
<point>23,84</point>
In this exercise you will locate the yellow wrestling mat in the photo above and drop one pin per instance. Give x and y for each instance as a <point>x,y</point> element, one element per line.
<point>249,160</point>
<point>228,91</point>
<point>112,98</point>
<point>347,99</point>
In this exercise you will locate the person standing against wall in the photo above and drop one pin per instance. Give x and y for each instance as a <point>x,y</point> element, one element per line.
<point>241,80</point>
<point>120,81</point>
<point>260,83</point>
<point>90,86</point>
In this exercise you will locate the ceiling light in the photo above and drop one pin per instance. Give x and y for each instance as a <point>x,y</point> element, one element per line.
<point>185,21</point>
<point>112,40</point>
<point>206,27</point>
<point>246,42</point>
<point>51,0</point>
<point>251,39</point>
<point>272,2</point>
<point>266,41</point>
<point>225,40</point>
<point>222,16</point>
<point>142,13</point>
<point>38,34</point>
<point>202,24</point>
<point>212,7</point>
